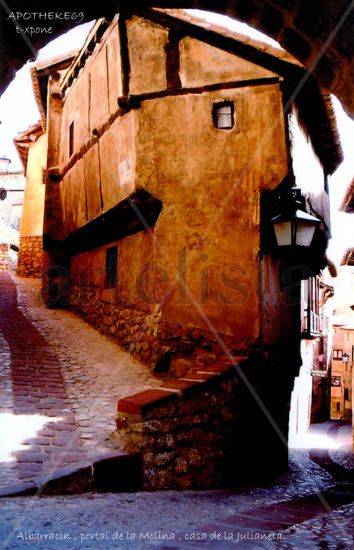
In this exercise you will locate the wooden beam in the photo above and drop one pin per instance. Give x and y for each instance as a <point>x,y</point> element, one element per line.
<point>124,53</point>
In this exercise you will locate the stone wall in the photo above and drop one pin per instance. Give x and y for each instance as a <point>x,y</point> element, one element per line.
<point>167,348</point>
<point>211,419</point>
<point>218,425</point>
<point>186,430</point>
<point>131,328</point>
<point>30,257</point>
<point>4,256</point>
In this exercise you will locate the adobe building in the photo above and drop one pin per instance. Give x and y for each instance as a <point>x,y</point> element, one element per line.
<point>172,144</point>
<point>31,146</point>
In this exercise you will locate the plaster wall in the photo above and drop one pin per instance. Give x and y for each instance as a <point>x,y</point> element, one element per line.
<point>136,282</point>
<point>209,182</point>
<point>33,206</point>
<point>220,67</point>
<point>93,96</point>
<point>146,42</point>
<point>11,207</point>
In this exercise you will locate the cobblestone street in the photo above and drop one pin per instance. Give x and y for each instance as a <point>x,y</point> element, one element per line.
<point>62,412</point>
<point>75,386</point>
<point>211,519</point>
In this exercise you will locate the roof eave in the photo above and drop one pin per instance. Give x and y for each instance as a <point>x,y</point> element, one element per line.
<point>40,73</point>
<point>23,141</point>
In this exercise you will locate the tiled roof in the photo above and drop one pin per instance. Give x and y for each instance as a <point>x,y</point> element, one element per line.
<point>40,73</point>
<point>193,19</point>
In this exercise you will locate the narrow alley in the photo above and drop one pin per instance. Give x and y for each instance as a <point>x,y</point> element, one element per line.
<point>177,278</point>
<point>64,395</point>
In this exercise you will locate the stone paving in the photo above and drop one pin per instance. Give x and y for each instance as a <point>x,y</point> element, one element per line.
<point>38,390</point>
<point>61,381</point>
<point>97,372</point>
<point>172,519</point>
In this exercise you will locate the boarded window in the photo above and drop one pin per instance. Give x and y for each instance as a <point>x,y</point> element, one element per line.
<point>111,267</point>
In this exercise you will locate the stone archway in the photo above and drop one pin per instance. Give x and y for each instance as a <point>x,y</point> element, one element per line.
<point>319,34</point>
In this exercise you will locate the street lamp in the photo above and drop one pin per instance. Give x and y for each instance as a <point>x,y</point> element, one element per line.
<point>4,164</point>
<point>293,227</point>
<point>4,192</point>
<point>345,357</point>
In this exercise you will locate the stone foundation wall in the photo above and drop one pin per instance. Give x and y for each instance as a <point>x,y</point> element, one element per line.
<point>30,257</point>
<point>186,431</point>
<point>203,427</point>
<point>219,425</point>
<point>168,349</point>
<point>4,256</point>
<point>132,329</point>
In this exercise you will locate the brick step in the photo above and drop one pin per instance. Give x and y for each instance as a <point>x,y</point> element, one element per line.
<point>111,472</point>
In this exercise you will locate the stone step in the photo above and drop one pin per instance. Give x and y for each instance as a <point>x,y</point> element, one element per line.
<point>111,472</point>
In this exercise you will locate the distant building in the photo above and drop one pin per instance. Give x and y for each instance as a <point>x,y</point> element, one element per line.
<point>11,207</point>
<point>310,400</point>
<point>345,393</point>
<point>343,344</point>
<point>32,149</point>
<point>12,185</point>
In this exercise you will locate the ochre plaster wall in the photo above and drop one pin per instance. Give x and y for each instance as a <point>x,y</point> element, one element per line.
<point>104,176</point>
<point>146,43</point>
<point>135,285</point>
<point>202,64</point>
<point>93,96</point>
<point>33,204</point>
<point>207,236</point>
<point>209,182</point>
<point>343,340</point>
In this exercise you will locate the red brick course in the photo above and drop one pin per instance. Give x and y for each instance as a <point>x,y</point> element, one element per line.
<point>193,381</point>
<point>135,404</point>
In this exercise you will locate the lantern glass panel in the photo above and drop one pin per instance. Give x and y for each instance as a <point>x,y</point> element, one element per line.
<point>283,233</point>
<point>304,234</point>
